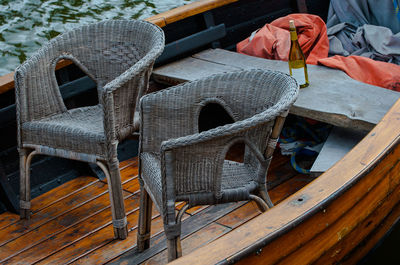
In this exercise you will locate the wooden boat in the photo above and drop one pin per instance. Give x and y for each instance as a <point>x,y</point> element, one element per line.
<point>336,218</point>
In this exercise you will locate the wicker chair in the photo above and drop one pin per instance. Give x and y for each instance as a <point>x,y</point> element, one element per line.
<point>118,55</point>
<point>177,163</point>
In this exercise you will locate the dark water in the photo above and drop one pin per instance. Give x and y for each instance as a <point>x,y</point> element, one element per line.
<point>26,24</point>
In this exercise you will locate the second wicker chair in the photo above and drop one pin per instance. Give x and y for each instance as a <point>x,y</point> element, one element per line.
<point>119,56</point>
<point>179,163</point>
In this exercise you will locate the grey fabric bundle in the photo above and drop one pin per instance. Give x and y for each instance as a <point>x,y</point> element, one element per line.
<point>366,28</point>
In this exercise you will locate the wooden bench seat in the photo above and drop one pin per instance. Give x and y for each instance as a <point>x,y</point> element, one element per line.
<point>332,96</point>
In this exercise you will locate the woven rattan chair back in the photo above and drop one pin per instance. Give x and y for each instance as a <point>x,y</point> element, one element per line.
<point>118,55</point>
<point>179,163</point>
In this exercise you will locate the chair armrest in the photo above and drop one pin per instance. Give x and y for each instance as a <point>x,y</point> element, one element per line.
<point>226,131</point>
<point>126,91</point>
<point>36,90</point>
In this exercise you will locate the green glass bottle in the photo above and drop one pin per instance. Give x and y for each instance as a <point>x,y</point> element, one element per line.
<point>297,61</point>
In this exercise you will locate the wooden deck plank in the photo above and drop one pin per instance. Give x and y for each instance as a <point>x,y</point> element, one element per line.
<point>7,219</point>
<point>101,238</point>
<point>58,225</point>
<point>132,185</point>
<point>250,210</point>
<point>61,192</point>
<point>127,173</point>
<point>84,234</point>
<point>279,173</point>
<point>100,221</point>
<point>131,162</point>
<point>37,219</point>
<point>108,252</point>
<point>240,215</point>
<point>196,240</point>
<point>289,187</point>
<point>189,226</point>
<point>343,101</point>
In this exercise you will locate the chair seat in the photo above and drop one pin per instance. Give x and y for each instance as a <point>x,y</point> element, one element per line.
<point>237,179</point>
<point>237,175</point>
<point>75,130</point>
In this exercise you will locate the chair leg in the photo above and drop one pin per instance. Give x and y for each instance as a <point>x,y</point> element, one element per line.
<point>144,226</point>
<point>25,159</point>
<point>174,248</point>
<point>174,245</point>
<point>264,195</point>
<point>262,205</point>
<point>116,199</point>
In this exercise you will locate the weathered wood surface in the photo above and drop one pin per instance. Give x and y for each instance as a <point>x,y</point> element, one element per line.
<point>332,96</point>
<point>72,223</point>
<point>340,141</point>
<point>343,206</point>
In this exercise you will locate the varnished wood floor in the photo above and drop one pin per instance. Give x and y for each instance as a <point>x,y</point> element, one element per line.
<point>72,223</point>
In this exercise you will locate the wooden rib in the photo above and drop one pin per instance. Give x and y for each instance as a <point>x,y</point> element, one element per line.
<point>24,226</point>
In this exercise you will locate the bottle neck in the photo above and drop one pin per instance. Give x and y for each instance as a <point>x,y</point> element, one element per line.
<point>293,34</point>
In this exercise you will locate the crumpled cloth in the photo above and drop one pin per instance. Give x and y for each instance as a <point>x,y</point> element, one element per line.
<point>367,28</point>
<point>366,70</point>
<point>273,42</point>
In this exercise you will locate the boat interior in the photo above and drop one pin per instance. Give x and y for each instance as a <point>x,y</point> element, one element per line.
<point>70,214</point>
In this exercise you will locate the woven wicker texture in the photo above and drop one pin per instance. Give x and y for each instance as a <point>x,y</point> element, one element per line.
<point>177,163</point>
<point>119,56</point>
